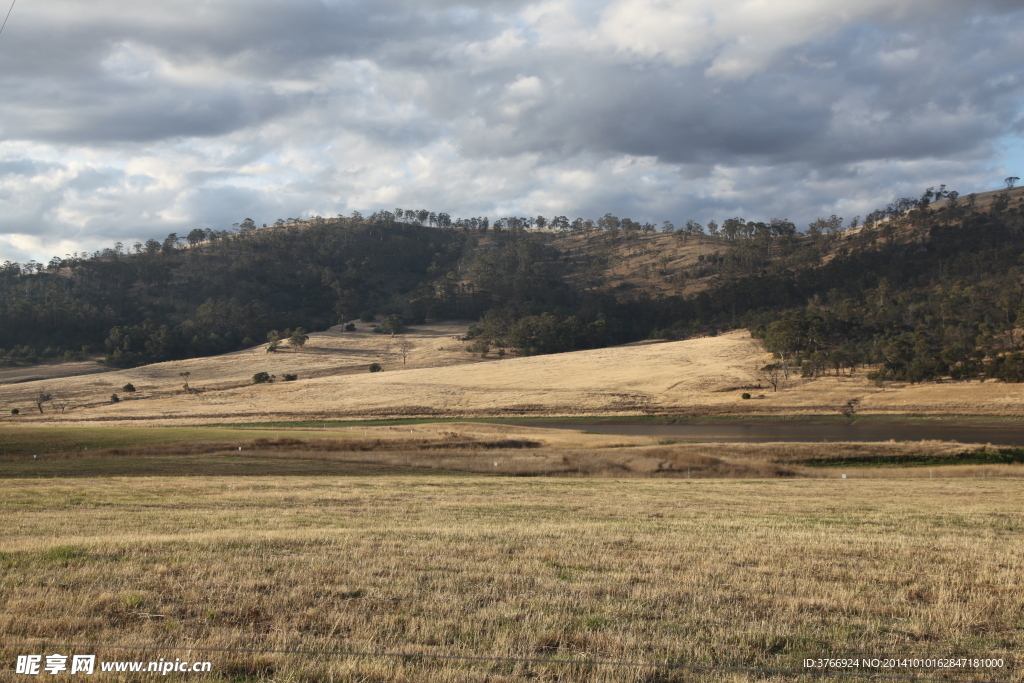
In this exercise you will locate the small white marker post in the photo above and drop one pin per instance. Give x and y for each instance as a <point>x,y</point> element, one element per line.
<point>844,476</point>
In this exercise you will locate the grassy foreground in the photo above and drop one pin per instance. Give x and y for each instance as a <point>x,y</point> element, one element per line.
<point>741,573</point>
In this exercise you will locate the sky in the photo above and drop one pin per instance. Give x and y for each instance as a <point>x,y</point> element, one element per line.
<point>123,120</point>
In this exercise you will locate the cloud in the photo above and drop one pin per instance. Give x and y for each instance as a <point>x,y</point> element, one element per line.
<point>122,122</point>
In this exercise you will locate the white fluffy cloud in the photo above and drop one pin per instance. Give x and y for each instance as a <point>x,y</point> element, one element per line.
<point>744,37</point>
<point>123,121</point>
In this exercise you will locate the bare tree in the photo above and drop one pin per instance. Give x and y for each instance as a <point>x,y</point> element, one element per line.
<point>773,374</point>
<point>43,397</point>
<point>59,399</point>
<point>404,346</point>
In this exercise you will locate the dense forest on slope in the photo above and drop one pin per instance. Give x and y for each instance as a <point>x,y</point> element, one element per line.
<point>926,287</point>
<point>221,292</point>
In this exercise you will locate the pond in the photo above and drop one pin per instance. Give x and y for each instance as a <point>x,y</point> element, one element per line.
<point>1001,433</point>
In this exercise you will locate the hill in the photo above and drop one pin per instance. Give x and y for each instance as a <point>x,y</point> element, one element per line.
<point>926,288</point>
<point>697,377</point>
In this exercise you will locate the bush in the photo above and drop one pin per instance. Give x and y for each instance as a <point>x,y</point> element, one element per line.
<point>15,411</point>
<point>351,327</point>
<point>128,388</point>
<point>262,378</point>
<point>745,395</point>
<point>367,317</point>
<point>479,346</point>
<point>375,367</point>
<point>114,398</point>
<point>390,325</point>
<point>290,378</point>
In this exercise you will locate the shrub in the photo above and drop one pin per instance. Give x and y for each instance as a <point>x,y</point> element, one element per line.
<point>262,378</point>
<point>390,325</point>
<point>128,388</point>
<point>15,411</point>
<point>114,398</point>
<point>479,346</point>
<point>745,395</point>
<point>290,378</point>
<point>367,317</point>
<point>351,327</point>
<point>375,367</point>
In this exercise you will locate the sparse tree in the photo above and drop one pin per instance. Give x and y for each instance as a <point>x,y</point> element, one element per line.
<point>43,397</point>
<point>773,375</point>
<point>1011,181</point>
<point>275,340</point>
<point>59,399</point>
<point>404,346</point>
<point>392,325</point>
<point>185,375</point>
<point>298,337</point>
<point>783,339</point>
<point>196,236</point>
<point>170,242</point>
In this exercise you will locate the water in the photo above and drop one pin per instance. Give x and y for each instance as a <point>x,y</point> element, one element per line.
<point>1002,434</point>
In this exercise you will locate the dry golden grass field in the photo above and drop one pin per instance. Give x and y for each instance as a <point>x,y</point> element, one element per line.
<point>440,379</point>
<point>552,572</point>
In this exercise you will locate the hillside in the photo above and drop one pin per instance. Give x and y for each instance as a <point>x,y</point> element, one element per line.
<point>704,376</point>
<point>926,288</point>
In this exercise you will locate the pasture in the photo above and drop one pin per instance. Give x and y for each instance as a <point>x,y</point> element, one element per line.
<point>485,577</point>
